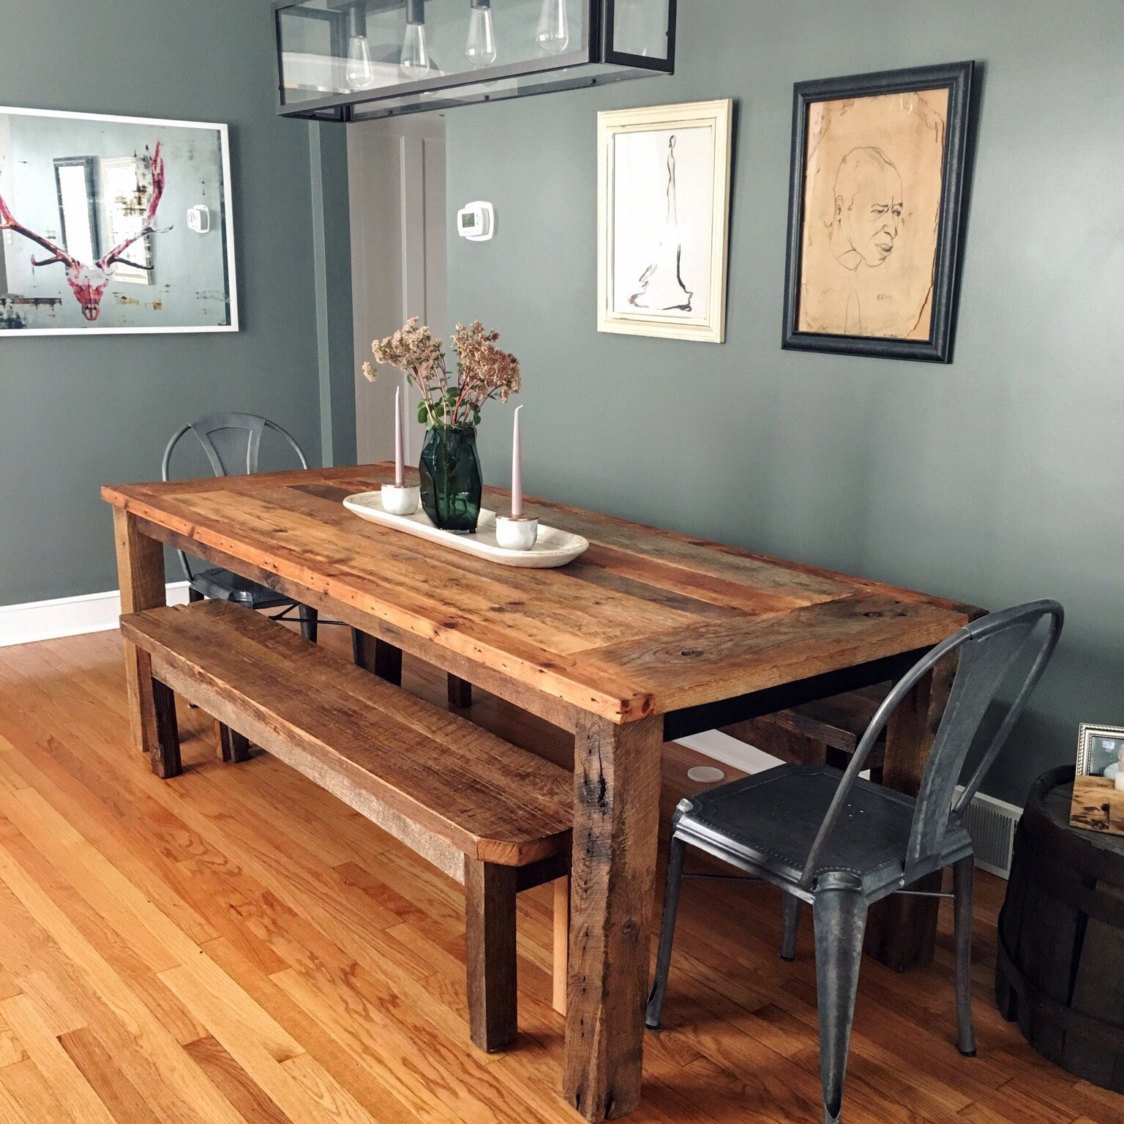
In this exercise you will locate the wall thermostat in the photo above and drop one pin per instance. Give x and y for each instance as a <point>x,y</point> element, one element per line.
<point>476,221</point>
<point>199,218</point>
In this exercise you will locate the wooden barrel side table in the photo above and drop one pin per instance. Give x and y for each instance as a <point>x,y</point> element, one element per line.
<point>1060,964</point>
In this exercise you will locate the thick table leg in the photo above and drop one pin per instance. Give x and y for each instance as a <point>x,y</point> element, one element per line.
<point>384,659</point>
<point>140,574</point>
<point>901,929</point>
<point>616,818</point>
<point>235,747</point>
<point>460,692</point>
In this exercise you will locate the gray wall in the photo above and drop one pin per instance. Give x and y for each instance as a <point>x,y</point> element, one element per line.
<point>75,412</point>
<point>993,480</point>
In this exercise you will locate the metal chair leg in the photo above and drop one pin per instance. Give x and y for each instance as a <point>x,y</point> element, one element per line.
<point>667,933</point>
<point>791,906</point>
<point>310,621</point>
<point>962,877</point>
<point>839,913</point>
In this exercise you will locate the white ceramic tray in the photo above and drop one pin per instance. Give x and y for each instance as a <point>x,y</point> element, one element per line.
<point>552,548</point>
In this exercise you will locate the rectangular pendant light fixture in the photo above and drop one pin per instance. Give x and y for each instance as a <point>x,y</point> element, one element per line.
<point>352,60</point>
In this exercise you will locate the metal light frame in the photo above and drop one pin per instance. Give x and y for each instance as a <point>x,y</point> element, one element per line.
<point>595,49</point>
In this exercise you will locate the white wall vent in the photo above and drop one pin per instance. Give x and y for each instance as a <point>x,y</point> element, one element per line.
<point>991,824</point>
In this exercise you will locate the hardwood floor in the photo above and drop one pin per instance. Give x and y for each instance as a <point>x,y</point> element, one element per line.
<point>236,945</point>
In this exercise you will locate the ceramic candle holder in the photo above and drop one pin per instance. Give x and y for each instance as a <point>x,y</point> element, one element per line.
<point>516,534</point>
<point>403,500</point>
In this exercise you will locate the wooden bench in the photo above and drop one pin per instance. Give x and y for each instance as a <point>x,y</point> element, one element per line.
<point>489,814</point>
<point>824,732</point>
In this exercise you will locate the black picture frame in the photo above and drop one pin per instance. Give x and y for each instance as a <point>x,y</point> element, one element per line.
<point>824,291</point>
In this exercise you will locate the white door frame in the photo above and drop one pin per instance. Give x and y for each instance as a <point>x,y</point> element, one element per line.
<point>396,179</point>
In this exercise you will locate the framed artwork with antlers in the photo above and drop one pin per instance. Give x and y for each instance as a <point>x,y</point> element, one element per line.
<point>114,224</point>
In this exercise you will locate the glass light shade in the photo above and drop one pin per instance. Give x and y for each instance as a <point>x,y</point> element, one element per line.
<point>360,72</point>
<point>553,32</point>
<point>480,46</point>
<point>415,55</point>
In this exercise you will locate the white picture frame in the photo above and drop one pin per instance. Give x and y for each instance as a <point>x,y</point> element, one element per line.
<point>663,203</point>
<point>186,272</point>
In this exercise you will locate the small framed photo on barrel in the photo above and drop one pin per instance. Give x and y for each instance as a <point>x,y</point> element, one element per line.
<point>1098,784</point>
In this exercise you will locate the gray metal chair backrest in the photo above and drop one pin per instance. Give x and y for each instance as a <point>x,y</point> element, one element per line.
<point>240,459</point>
<point>250,426</point>
<point>987,652</point>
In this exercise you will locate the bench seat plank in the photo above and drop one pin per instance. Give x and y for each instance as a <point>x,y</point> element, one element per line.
<point>414,769</point>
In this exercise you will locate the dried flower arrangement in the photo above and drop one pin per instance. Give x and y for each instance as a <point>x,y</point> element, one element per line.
<point>483,371</point>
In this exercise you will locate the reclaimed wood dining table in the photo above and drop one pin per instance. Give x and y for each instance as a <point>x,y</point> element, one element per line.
<point>647,636</point>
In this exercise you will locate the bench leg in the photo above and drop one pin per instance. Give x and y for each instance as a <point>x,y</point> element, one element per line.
<point>158,718</point>
<point>490,941</point>
<point>561,958</point>
<point>235,747</point>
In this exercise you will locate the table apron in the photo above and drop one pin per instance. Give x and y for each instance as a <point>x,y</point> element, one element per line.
<point>756,704</point>
<point>677,724</point>
<point>548,707</point>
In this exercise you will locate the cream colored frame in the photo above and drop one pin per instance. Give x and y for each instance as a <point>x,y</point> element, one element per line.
<point>719,114</point>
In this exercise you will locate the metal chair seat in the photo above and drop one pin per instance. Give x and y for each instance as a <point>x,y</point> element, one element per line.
<point>766,824</point>
<point>223,585</point>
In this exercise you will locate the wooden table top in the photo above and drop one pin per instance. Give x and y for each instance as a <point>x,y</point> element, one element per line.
<point>645,622</point>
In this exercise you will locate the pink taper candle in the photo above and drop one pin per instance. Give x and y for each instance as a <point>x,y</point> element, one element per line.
<point>399,471</point>
<point>516,469</point>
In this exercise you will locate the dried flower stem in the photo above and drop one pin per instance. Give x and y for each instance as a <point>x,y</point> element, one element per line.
<point>484,371</point>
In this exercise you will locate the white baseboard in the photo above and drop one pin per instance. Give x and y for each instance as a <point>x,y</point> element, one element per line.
<point>69,616</point>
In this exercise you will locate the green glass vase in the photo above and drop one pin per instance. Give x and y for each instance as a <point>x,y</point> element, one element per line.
<point>451,481</point>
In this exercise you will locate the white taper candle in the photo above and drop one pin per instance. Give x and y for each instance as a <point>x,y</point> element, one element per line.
<point>399,471</point>
<point>516,468</point>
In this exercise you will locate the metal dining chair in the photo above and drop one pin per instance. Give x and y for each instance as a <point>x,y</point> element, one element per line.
<point>841,843</point>
<point>232,445</point>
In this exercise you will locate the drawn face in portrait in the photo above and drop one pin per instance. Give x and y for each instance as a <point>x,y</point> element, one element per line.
<point>873,169</point>
<point>868,209</point>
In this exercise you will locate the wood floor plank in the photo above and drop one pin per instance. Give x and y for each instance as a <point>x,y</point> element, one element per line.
<point>247,1097</point>
<point>251,1037</point>
<point>24,1087</point>
<point>150,1033</point>
<point>11,1048</point>
<point>82,1104</point>
<point>350,1069</point>
<point>122,1099</point>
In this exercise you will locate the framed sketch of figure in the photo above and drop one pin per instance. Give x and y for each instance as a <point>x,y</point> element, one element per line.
<point>663,178</point>
<point>875,212</point>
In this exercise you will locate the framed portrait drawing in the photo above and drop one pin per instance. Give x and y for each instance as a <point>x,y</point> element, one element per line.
<point>114,225</point>
<point>663,185</point>
<point>876,198</point>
